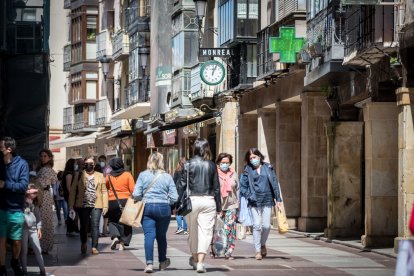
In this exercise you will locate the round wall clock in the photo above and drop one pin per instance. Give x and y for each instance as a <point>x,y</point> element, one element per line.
<point>212,72</point>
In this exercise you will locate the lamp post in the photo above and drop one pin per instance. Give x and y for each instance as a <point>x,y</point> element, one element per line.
<point>143,56</point>
<point>200,13</point>
<point>105,66</point>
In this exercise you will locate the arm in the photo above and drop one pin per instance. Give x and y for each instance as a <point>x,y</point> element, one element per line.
<point>137,194</point>
<point>131,184</point>
<point>244,185</point>
<point>68,178</point>
<point>104,192</point>
<point>19,186</point>
<point>275,184</point>
<point>237,187</point>
<point>216,187</point>
<point>172,191</point>
<point>72,193</point>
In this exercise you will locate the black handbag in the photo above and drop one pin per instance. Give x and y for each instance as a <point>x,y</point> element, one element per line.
<point>185,206</point>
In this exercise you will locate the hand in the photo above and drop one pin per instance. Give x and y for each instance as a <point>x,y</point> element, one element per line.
<point>279,205</point>
<point>104,211</point>
<point>72,214</point>
<point>39,233</point>
<point>1,183</point>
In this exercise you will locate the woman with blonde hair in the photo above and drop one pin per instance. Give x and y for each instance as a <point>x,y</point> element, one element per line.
<point>157,189</point>
<point>204,191</point>
<point>46,178</point>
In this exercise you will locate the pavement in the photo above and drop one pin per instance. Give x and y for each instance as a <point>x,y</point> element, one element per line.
<point>295,253</point>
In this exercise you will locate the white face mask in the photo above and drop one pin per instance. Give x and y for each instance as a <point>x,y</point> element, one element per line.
<point>102,164</point>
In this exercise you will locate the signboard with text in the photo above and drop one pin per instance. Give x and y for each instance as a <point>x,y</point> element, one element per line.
<point>215,52</point>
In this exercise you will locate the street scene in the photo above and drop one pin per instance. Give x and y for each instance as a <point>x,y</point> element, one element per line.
<point>206,136</point>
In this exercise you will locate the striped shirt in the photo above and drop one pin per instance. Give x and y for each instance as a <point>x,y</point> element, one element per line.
<point>89,196</point>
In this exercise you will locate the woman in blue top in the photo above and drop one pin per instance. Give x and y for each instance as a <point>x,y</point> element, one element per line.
<point>157,189</point>
<point>259,185</point>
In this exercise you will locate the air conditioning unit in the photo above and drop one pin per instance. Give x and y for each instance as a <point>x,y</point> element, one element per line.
<point>316,50</point>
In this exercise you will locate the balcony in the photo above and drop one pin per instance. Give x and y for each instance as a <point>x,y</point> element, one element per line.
<point>370,34</point>
<point>120,127</point>
<point>67,119</point>
<point>120,46</point>
<point>181,87</point>
<point>242,69</point>
<point>136,103</point>
<point>102,114</point>
<point>103,45</point>
<point>67,58</point>
<point>66,4</point>
<point>136,93</point>
<point>138,16</point>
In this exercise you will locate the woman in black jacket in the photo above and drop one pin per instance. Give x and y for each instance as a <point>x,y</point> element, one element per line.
<point>204,190</point>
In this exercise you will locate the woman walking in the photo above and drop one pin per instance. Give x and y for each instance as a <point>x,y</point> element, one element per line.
<point>122,183</point>
<point>204,190</point>
<point>229,191</point>
<point>46,178</point>
<point>89,196</point>
<point>157,189</point>
<point>181,222</point>
<point>67,180</point>
<point>259,185</point>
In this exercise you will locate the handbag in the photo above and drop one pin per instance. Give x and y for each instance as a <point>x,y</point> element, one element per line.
<point>282,223</point>
<point>133,211</point>
<point>219,240</point>
<point>185,206</point>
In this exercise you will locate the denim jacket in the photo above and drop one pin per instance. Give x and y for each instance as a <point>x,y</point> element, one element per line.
<point>252,194</point>
<point>162,191</point>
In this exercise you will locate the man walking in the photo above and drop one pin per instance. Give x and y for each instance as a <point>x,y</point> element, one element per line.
<point>12,198</point>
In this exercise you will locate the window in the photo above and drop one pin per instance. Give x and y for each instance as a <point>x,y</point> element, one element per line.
<point>247,18</point>
<point>91,89</point>
<point>251,61</point>
<point>226,21</point>
<point>91,27</point>
<point>184,42</point>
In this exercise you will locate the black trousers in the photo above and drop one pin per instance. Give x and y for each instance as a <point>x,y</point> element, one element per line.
<point>118,230</point>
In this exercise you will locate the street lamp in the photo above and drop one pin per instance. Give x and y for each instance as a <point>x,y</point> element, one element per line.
<point>143,54</point>
<point>200,13</point>
<point>105,66</point>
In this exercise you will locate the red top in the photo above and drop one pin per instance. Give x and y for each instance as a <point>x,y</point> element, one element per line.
<point>123,184</point>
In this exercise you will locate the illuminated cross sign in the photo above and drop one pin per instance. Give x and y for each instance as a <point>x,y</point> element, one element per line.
<point>286,44</point>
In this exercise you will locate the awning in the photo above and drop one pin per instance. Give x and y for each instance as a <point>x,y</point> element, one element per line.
<point>73,141</point>
<point>135,111</point>
<point>181,124</point>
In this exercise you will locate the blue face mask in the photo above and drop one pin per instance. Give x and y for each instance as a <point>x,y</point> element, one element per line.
<point>255,162</point>
<point>224,167</point>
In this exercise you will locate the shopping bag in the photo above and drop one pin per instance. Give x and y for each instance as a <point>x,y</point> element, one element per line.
<point>282,223</point>
<point>132,213</point>
<point>240,231</point>
<point>219,242</point>
<point>405,258</point>
<point>244,215</point>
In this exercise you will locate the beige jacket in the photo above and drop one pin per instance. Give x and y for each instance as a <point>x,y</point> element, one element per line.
<point>77,191</point>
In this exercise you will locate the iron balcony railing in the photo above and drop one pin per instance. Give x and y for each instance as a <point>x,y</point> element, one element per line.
<point>103,45</point>
<point>136,93</point>
<point>102,116</point>
<point>67,119</point>
<point>118,126</point>
<point>120,45</point>
<point>67,58</point>
<point>137,15</point>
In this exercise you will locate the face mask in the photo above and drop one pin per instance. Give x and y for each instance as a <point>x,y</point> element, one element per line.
<point>76,168</point>
<point>224,167</point>
<point>255,162</point>
<point>102,164</point>
<point>89,168</point>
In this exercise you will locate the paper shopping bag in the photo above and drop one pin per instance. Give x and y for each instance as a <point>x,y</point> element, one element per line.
<point>132,213</point>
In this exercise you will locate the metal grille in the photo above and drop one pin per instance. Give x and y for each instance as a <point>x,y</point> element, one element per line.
<point>359,27</point>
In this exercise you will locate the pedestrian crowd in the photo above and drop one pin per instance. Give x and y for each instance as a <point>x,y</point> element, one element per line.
<point>93,195</point>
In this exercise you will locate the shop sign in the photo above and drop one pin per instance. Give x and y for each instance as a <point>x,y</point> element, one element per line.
<point>216,52</point>
<point>287,45</point>
<point>110,149</point>
<point>168,137</point>
<point>162,76</point>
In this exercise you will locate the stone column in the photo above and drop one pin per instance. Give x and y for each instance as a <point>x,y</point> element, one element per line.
<point>247,136</point>
<point>226,129</point>
<point>315,113</point>
<point>344,179</point>
<point>381,173</point>
<point>405,102</point>
<point>288,122</point>
<point>266,133</point>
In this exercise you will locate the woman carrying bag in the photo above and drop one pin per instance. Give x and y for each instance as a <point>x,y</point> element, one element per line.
<point>259,185</point>
<point>157,190</point>
<point>120,185</point>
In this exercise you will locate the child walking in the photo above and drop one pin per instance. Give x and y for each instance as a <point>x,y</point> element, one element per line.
<point>32,230</point>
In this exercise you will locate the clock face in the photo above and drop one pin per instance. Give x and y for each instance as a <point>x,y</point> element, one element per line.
<point>212,72</point>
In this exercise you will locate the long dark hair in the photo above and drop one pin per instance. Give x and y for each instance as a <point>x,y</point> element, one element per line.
<point>202,148</point>
<point>254,151</point>
<point>223,155</point>
<point>70,165</point>
<point>50,154</point>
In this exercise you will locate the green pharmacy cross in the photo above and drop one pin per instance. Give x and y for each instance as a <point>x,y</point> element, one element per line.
<point>287,45</point>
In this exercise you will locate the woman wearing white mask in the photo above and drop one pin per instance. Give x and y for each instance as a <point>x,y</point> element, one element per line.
<point>259,185</point>
<point>229,191</point>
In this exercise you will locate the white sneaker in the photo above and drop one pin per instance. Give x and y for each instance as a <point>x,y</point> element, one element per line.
<point>201,268</point>
<point>115,241</point>
<point>148,268</point>
<point>121,247</point>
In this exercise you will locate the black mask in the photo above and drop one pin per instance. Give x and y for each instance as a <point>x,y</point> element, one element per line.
<point>89,167</point>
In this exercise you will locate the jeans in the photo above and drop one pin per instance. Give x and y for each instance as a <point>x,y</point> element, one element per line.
<point>261,225</point>
<point>181,222</point>
<point>89,215</point>
<point>61,204</point>
<point>30,236</point>
<point>155,224</point>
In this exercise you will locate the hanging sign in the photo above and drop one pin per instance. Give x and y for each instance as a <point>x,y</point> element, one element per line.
<point>215,52</point>
<point>287,44</point>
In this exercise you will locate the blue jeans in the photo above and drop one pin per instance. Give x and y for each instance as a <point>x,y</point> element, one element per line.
<point>181,222</point>
<point>261,225</point>
<point>155,224</point>
<point>61,204</point>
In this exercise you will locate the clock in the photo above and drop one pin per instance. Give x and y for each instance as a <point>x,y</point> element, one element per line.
<point>212,72</point>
